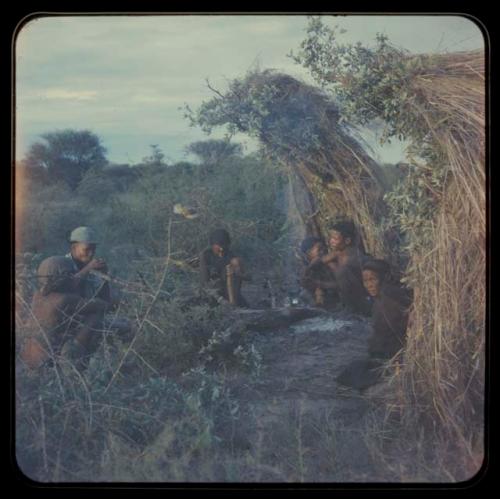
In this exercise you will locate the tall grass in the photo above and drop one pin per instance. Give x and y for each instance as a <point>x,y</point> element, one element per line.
<point>437,102</point>
<point>445,358</point>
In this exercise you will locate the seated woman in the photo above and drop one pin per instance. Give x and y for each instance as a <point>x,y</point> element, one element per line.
<point>221,269</point>
<point>389,322</point>
<point>317,277</point>
<point>390,309</point>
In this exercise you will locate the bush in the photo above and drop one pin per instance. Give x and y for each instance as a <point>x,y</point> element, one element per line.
<point>165,400</point>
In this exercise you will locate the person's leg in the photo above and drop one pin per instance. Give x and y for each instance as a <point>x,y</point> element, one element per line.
<point>94,306</point>
<point>79,348</point>
<point>56,315</point>
<point>237,276</point>
<point>84,336</point>
<point>84,320</point>
<point>90,331</point>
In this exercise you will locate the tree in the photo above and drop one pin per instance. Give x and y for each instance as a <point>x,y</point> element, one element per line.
<point>156,158</point>
<point>212,151</point>
<point>67,155</point>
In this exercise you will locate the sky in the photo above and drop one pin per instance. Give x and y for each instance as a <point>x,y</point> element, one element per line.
<point>125,77</point>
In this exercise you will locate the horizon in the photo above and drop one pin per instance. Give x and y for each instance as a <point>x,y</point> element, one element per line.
<point>125,78</point>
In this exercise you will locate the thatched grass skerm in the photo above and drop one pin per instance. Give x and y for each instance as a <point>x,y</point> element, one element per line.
<point>437,102</point>
<point>299,127</point>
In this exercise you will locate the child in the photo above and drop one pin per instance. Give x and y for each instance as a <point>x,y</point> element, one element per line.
<point>317,277</point>
<point>344,260</point>
<point>220,267</point>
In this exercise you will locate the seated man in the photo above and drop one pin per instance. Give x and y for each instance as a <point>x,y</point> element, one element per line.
<point>344,259</point>
<point>83,247</point>
<point>317,277</point>
<point>72,299</point>
<point>69,321</point>
<point>389,322</point>
<point>221,269</point>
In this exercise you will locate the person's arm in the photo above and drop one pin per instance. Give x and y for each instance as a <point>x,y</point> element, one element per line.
<point>332,256</point>
<point>104,292</point>
<point>95,305</point>
<point>95,264</point>
<point>77,281</point>
<point>307,281</point>
<point>310,282</point>
<point>313,264</point>
<point>331,260</point>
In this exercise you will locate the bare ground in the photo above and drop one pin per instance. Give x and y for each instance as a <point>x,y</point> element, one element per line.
<point>296,422</point>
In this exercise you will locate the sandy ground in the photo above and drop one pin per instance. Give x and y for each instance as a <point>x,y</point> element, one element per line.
<point>297,422</point>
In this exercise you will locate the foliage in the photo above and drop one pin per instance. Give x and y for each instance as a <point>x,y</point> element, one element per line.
<point>162,398</point>
<point>154,408</point>
<point>213,151</point>
<point>367,82</point>
<point>67,155</point>
<point>156,158</point>
<point>169,412</point>
<point>255,105</point>
<point>298,126</point>
<point>95,185</point>
<point>437,103</point>
<point>133,206</point>
<point>45,218</point>
<point>385,83</point>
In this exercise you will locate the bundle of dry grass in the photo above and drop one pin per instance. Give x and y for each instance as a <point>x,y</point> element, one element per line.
<point>444,360</point>
<point>438,102</point>
<point>300,126</point>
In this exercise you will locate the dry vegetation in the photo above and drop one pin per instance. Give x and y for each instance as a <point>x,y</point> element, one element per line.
<point>444,368</point>
<point>431,422</point>
<point>437,103</point>
<point>154,406</point>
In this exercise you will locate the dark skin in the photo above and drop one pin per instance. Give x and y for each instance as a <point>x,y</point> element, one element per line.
<point>59,312</point>
<point>218,250</point>
<point>340,250</point>
<point>63,313</point>
<point>390,315</point>
<point>311,280</point>
<point>235,264</point>
<point>371,282</point>
<point>84,256</point>
<point>234,267</point>
<point>343,259</point>
<point>389,320</point>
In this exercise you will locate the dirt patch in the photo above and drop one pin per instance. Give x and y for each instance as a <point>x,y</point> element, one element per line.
<point>296,421</point>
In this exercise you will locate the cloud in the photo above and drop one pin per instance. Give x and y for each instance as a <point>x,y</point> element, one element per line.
<point>65,94</point>
<point>125,77</point>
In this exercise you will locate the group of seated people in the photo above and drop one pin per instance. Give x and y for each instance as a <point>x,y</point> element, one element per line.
<point>73,296</point>
<point>72,304</point>
<point>337,275</point>
<point>344,274</point>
